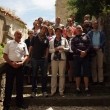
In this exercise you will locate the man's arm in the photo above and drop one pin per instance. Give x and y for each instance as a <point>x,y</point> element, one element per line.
<point>74,47</point>
<point>13,64</point>
<point>30,51</point>
<point>47,52</point>
<point>5,56</point>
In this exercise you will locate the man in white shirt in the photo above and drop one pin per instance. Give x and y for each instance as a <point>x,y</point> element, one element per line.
<point>15,54</point>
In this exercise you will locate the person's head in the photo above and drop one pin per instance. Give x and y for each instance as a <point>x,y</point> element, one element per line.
<point>69,22</point>
<point>51,30</point>
<point>40,21</point>
<point>95,24</point>
<point>72,17</point>
<point>58,20</point>
<point>46,22</point>
<point>86,23</point>
<point>62,26</point>
<point>58,32</point>
<point>30,33</point>
<point>87,17</point>
<point>35,24</point>
<point>18,36</point>
<point>69,31</point>
<point>44,30</point>
<point>79,30</point>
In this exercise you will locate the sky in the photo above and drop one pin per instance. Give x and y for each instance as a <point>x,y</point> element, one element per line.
<point>29,10</point>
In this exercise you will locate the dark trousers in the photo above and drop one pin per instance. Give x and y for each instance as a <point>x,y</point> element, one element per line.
<point>82,66</point>
<point>43,64</point>
<point>11,74</point>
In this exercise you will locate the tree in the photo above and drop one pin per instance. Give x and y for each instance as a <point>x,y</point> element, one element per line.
<point>92,7</point>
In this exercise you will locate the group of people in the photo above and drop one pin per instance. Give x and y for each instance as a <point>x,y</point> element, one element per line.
<point>73,48</point>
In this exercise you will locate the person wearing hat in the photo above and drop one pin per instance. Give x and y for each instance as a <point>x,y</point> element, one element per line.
<point>58,46</point>
<point>80,46</point>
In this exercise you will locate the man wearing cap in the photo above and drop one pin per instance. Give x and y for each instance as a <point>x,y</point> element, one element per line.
<point>80,45</point>
<point>58,47</point>
<point>15,54</point>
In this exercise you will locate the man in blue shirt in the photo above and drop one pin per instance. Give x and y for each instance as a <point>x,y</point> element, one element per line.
<point>98,39</point>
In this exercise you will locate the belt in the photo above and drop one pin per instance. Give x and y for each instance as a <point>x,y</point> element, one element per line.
<point>16,61</point>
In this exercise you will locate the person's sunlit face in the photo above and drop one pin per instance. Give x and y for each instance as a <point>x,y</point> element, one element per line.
<point>58,33</point>
<point>69,32</point>
<point>30,34</point>
<point>78,31</point>
<point>44,30</point>
<point>18,36</point>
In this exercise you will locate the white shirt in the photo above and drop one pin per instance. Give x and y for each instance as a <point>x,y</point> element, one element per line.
<point>16,51</point>
<point>70,50</point>
<point>64,43</point>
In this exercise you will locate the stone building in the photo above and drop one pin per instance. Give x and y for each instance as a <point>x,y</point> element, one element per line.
<point>62,10</point>
<point>9,23</point>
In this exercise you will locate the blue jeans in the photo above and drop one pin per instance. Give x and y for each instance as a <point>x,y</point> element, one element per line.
<point>43,64</point>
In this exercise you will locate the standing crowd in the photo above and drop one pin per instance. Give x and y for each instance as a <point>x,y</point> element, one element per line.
<point>55,49</point>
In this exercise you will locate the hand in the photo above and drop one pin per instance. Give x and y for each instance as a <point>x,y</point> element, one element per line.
<point>96,49</point>
<point>19,64</point>
<point>83,54</point>
<point>56,49</point>
<point>28,59</point>
<point>61,48</point>
<point>16,64</point>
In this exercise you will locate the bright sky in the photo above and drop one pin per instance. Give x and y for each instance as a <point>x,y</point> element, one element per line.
<point>29,10</point>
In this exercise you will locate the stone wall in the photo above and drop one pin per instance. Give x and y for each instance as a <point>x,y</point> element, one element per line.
<point>9,23</point>
<point>2,27</point>
<point>62,10</point>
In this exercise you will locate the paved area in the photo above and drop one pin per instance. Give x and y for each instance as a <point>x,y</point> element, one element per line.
<point>65,108</point>
<point>61,108</point>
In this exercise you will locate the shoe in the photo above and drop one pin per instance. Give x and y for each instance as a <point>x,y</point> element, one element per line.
<point>101,83</point>
<point>6,108</point>
<point>87,92</point>
<point>33,94</point>
<point>77,92</point>
<point>52,94</point>
<point>45,94</point>
<point>94,83</point>
<point>22,106</point>
<point>70,83</point>
<point>62,95</point>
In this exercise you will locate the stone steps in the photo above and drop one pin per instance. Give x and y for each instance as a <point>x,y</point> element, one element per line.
<point>68,100</point>
<point>70,88</point>
<point>100,96</point>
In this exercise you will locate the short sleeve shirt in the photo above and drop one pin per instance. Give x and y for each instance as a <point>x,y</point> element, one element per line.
<point>16,51</point>
<point>39,47</point>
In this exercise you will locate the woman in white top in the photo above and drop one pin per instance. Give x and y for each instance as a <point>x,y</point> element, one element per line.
<point>58,47</point>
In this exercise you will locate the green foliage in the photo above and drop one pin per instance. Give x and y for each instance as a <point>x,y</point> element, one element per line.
<point>1,51</point>
<point>92,7</point>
